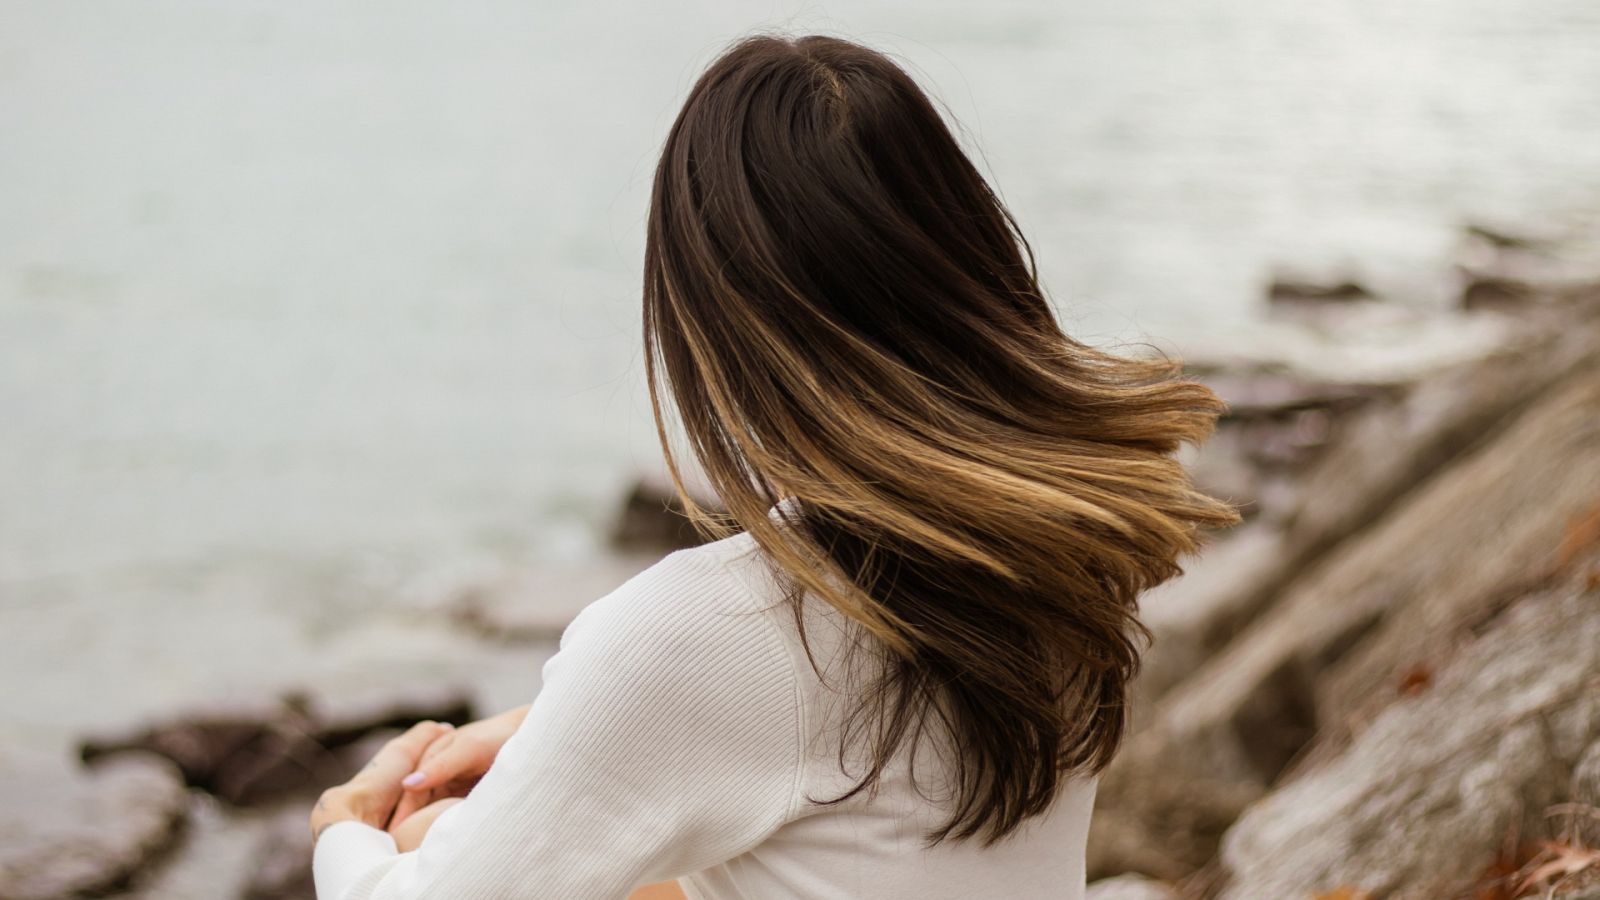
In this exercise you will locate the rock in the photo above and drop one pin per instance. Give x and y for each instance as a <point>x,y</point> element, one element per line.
<point>1498,239</point>
<point>254,753</point>
<point>1448,551</point>
<point>282,869</point>
<point>1393,446</point>
<point>652,517</point>
<point>1195,614</point>
<point>1129,887</point>
<point>243,755</point>
<point>1536,268</point>
<point>1276,394</point>
<point>1162,824</point>
<point>1489,292</point>
<point>1287,290</point>
<point>1390,444</point>
<point>1278,422</point>
<point>68,832</point>
<point>1432,789</point>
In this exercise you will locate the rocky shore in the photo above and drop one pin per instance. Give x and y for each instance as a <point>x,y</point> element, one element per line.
<point>1384,684</point>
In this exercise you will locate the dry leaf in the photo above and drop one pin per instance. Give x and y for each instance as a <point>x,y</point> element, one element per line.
<point>1582,535</point>
<point>1416,679</point>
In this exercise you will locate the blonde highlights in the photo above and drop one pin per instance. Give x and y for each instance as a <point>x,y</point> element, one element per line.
<point>839,304</point>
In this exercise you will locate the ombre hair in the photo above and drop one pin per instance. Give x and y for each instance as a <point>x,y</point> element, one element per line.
<point>846,314</point>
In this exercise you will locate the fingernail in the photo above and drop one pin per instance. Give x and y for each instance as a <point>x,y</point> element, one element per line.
<point>447,726</point>
<point>414,779</point>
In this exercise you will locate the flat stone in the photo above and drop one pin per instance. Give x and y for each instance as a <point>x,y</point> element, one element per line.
<point>261,752</point>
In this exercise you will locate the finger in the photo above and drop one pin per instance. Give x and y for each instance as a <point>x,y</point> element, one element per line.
<point>410,802</point>
<point>460,759</point>
<point>399,756</point>
<point>438,748</point>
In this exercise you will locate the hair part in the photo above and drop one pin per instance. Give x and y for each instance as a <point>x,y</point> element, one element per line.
<point>841,305</point>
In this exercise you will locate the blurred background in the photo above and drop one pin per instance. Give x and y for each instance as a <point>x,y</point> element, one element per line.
<point>320,360</point>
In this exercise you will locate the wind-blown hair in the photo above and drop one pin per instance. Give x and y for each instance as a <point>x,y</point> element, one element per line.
<point>846,314</point>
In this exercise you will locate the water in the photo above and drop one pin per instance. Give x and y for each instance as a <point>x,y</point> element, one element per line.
<point>301,302</point>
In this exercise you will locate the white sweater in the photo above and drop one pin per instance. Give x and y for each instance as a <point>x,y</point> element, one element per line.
<point>682,733</point>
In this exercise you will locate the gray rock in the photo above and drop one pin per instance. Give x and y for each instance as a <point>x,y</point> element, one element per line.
<point>1196,614</point>
<point>1343,634</point>
<point>1284,290</point>
<point>1487,292</point>
<point>68,831</point>
<point>261,752</point>
<point>1395,445</point>
<point>1431,790</point>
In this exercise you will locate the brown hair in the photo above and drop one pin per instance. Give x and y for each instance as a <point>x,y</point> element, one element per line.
<point>844,308</point>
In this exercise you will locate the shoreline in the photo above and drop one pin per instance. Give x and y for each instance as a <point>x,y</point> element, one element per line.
<point>471,626</point>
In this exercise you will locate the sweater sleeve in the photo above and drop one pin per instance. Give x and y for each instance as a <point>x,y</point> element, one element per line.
<point>665,739</point>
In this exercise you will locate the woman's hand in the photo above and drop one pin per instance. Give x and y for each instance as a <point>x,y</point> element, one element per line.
<point>371,795</point>
<point>454,762</point>
<point>408,834</point>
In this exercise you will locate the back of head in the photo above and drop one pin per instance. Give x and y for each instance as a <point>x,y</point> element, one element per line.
<point>843,308</point>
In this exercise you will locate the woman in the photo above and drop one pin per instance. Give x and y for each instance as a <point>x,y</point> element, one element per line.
<point>903,656</point>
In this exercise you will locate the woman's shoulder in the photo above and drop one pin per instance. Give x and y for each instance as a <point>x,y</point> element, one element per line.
<point>708,599</point>
<point>720,576</point>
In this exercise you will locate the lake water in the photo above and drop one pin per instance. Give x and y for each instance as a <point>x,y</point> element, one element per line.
<point>305,307</point>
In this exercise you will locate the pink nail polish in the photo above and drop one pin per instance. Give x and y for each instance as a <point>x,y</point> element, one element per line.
<point>414,779</point>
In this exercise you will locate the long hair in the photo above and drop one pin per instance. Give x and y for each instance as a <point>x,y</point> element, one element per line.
<point>846,314</point>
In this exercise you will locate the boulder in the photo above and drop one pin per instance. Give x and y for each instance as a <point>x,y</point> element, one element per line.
<point>244,754</point>
<point>1389,444</point>
<point>254,753</point>
<point>1451,550</point>
<point>1396,444</point>
<point>1195,614</point>
<point>1426,800</point>
<point>67,831</point>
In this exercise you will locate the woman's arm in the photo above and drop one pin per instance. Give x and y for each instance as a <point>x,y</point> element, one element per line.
<point>666,739</point>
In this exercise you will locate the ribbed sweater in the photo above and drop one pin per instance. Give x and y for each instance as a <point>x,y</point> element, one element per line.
<point>681,732</point>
